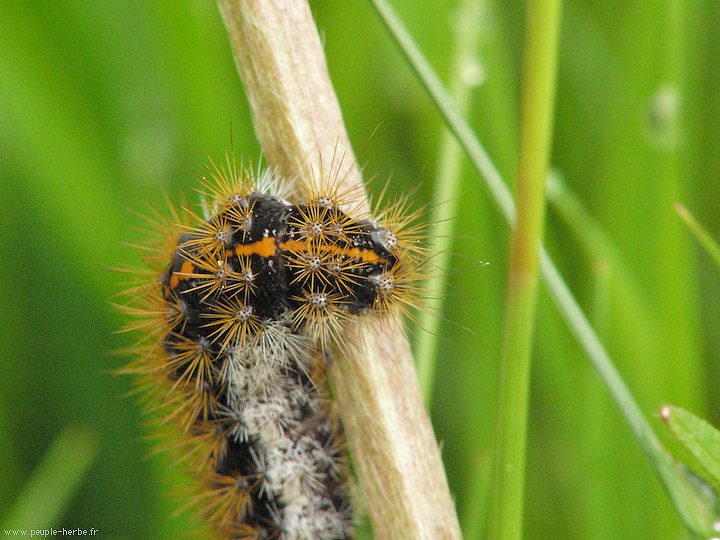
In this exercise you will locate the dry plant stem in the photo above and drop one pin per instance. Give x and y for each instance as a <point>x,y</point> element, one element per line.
<point>299,124</point>
<point>282,65</point>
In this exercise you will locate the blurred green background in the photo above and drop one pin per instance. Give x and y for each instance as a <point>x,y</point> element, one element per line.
<point>104,106</point>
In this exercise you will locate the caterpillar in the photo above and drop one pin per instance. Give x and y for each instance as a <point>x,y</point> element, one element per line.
<point>237,310</point>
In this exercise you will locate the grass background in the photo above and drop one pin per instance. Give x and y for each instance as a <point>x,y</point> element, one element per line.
<point>104,106</point>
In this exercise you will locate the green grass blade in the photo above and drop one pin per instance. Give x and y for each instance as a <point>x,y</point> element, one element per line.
<point>700,233</point>
<point>623,288</point>
<point>442,100</point>
<point>675,484</point>
<point>49,491</point>
<point>699,438</point>
<point>536,121</point>
<point>446,191</point>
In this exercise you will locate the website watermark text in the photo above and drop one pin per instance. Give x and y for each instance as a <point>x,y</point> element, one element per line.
<point>36,533</point>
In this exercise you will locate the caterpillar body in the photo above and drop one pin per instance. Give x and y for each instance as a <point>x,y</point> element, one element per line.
<point>241,306</point>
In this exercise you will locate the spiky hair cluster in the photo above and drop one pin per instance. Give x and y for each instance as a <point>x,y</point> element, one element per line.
<point>237,315</point>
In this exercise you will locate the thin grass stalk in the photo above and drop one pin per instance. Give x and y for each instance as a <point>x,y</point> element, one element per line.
<point>536,115</point>
<point>710,245</point>
<point>465,67</point>
<point>47,494</point>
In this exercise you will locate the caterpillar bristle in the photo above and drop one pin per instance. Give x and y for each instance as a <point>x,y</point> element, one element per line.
<point>237,314</point>
<point>233,322</point>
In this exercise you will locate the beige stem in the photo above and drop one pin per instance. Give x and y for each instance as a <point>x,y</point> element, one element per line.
<point>299,124</point>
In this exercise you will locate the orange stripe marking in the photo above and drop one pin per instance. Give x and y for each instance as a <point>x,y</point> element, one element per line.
<point>187,268</point>
<point>265,248</point>
<point>365,255</point>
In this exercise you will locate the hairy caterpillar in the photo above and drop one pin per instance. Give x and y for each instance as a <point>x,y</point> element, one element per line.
<point>238,312</point>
